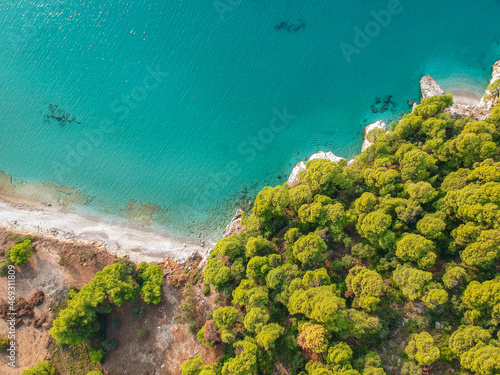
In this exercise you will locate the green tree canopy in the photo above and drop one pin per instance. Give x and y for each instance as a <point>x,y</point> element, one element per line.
<point>367,286</point>
<point>20,253</point>
<point>309,249</point>
<point>422,349</point>
<point>150,278</point>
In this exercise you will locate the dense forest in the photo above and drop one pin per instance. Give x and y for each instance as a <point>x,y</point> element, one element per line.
<point>396,252</point>
<point>394,255</point>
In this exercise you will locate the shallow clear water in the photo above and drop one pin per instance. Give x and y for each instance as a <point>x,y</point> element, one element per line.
<point>193,98</point>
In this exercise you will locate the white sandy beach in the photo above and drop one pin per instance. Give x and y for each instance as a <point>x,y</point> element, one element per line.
<point>140,244</point>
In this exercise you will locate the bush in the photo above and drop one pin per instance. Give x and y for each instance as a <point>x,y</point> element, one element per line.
<point>143,332</point>
<point>97,356</point>
<point>109,344</point>
<point>4,344</point>
<point>43,368</point>
<point>4,267</point>
<point>138,312</point>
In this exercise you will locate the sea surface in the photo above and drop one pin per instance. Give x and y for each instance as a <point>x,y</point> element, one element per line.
<point>196,105</point>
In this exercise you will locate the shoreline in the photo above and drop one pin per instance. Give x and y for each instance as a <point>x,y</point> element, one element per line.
<point>25,209</point>
<point>120,239</point>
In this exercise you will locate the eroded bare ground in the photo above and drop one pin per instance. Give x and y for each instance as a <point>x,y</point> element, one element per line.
<point>55,266</point>
<point>45,271</point>
<point>166,346</point>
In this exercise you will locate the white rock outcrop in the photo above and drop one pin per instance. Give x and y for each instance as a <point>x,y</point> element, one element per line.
<point>326,155</point>
<point>376,125</point>
<point>234,225</point>
<point>483,109</point>
<point>429,87</point>
<point>294,176</point>
<point>464,105</point>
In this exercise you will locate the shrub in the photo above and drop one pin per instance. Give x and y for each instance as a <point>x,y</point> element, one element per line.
<point>97,355</point>
<point>143,332</point>
<point>43,368</point>
<point>4,344</point>
<point>138,312</point>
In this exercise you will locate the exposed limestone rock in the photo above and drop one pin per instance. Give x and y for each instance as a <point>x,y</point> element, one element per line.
<point>488,101</point>
<point>377,125</point>
<point>294,176</point>
<point>464,105</point>
<point>235,225</point>
<point>326,155</point>
<point>429,87</point>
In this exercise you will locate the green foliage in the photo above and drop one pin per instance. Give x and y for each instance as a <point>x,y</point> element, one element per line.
<point>466,337</point>
<point>217,273</point>
<point>309,249</point>
<point>268,334</point>
<point>327,270</point>
<point>97,355</point>
<point>453,276</point>
<point>43,368</point>
<point>367,286</point>
<point>422,349</point>
<point>312,337</point>
<point>482,359</point>
<point>484,251</point>
<point>432,226</point>
<point>433,105</point>
<point>226,317</point>
<point>21,252</point>
<point>95,373</point>
<point>483,301</point>
<point>375,228</point>
<point>4,344</point>
<point>255,319</point>
<point>411,281</point>
<point>411,368</point>
<point>111,286</point>
<point>271,202</point>
<point>257,246</point>
<point>414,247</point>
<point>150,278</point>
<point>4,267</point>
<point>257,269</point>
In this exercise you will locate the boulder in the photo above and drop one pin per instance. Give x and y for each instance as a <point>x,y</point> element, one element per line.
<point>429,87</point>
<point>235,224</point>
<point>294,176</point>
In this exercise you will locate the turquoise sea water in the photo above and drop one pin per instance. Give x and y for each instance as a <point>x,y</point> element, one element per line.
<point>192,93</point>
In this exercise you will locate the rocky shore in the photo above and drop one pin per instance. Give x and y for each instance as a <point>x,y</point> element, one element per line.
<point>464,105</point>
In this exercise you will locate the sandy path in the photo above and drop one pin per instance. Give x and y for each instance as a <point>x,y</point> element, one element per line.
<point>141,244</point>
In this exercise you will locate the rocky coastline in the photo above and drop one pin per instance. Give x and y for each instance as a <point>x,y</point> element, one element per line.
<point>462,106</point>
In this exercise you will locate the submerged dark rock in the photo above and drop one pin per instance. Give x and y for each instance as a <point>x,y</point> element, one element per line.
<point>60,115</point>
<point>290,27</point>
